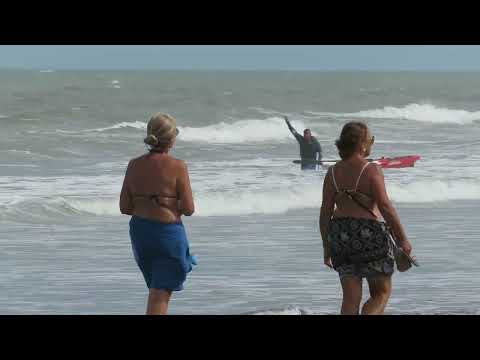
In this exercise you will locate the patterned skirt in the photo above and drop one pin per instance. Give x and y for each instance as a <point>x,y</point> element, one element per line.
<point>360,247</point>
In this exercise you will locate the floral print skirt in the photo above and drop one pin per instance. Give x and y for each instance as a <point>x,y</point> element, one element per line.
<point>360,247</point>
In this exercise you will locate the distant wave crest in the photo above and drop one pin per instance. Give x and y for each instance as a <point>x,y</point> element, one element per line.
<point>415,112</point>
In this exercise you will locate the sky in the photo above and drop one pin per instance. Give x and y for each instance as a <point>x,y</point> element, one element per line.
<point>242,57</point>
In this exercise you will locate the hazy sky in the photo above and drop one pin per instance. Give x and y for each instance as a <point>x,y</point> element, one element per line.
<point>244,57</point>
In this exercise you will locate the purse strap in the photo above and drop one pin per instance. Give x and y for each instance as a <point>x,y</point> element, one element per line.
<point>389,230</point>
<point>350,196</point>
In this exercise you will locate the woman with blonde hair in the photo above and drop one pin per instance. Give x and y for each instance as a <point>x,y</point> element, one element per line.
<point>356,243</point>
<point>156,192</point>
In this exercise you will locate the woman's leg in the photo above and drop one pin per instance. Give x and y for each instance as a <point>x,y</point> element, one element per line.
<point>158,302</point>
<point>352,295</point>
<point>380,289</point>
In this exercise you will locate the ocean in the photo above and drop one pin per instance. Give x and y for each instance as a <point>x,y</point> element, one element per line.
<point>67,137</point>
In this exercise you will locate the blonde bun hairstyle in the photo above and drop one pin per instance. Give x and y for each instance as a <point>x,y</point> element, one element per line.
<point>151,140</point>
<point>161,131</point>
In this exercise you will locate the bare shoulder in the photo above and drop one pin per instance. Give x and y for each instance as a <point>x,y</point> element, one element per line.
<point>338,165</point>
<point>179,164</point>
<point>138,158</point>
<point>377,169</point>
<point>328,180</point>
<point>131,163</point>
<point>329,171</point>
<point>374,170</point>
<point>136,162</point>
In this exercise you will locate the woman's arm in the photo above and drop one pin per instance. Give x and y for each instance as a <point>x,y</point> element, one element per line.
<point>387,210</point>
<point>326,212</point>
<point>126,204</point>
<point>186,205</point>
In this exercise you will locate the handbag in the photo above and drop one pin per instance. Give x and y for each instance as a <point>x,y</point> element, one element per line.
<point>402,259</point>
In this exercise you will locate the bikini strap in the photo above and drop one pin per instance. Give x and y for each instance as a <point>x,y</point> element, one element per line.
<point>359,176</point>
<point>333,177</point>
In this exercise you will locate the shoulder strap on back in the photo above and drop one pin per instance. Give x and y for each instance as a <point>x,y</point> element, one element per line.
<point>361,173</point>
<point>333,177</point>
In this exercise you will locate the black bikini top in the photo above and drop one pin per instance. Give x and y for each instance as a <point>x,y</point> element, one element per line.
<point>351,192</point>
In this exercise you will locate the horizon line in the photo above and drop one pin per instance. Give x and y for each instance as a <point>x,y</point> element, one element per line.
<point>53,69</point>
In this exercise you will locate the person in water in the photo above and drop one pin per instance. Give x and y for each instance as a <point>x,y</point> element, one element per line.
<point>356,242</point>
<point>156,192</point>
<point>310,149</point>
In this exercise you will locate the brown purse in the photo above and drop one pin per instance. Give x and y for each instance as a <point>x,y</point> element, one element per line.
<point>402,259</point>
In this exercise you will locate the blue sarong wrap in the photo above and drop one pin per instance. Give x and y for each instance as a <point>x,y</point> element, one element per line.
<point>162,253</point>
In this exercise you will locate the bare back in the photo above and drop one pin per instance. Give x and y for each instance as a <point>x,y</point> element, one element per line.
<point>354,178</point>
<point>157,187</point>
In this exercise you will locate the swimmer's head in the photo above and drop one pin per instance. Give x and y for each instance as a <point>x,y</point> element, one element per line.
<point>307,134</point>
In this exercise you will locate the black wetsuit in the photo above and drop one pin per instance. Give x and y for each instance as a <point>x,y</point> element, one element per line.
<point>308,150</point>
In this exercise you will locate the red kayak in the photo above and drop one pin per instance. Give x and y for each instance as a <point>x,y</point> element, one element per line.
<point>397,162</point>
<point>384,162</point>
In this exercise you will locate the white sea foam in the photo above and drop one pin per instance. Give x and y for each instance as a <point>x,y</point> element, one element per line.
<point>249,130</point>
<point>19,165</point>
<point>416,112</point>
<point>273,128</point>
<point>28,154</point>
<point>427,191</point>
<point>256,200</point>
<point>277,201</point>
<point>288,310</point>
<point>135,125</point>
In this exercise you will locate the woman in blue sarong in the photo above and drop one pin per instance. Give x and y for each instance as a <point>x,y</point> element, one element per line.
<point>156,192</point>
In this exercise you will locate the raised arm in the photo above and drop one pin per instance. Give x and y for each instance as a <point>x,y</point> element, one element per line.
<point>326,212</point>
<point>292,129</point>
<point>126,204</point>
<point>186,205</point>
<point>387,210</point>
